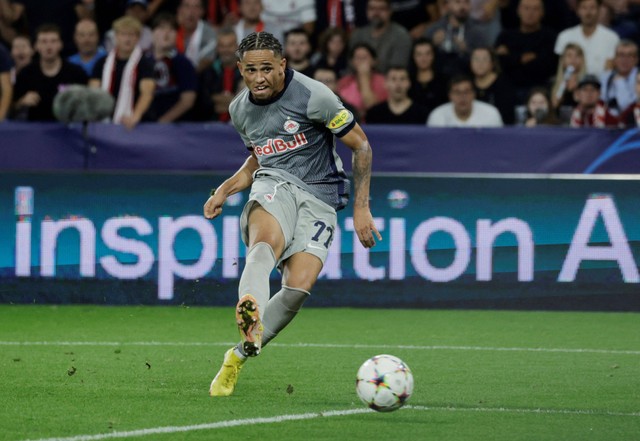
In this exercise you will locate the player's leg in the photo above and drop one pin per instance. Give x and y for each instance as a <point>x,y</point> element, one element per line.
<point>298,277</point>
<point>266,243</point>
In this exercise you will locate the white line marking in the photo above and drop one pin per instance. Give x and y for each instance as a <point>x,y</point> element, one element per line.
<point>326,345</point>
<point>209,426</point>
<point>326,414</point>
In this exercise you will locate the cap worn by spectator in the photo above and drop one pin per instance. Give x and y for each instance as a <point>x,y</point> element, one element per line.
<point>142,3</point>
<point>589,80</point>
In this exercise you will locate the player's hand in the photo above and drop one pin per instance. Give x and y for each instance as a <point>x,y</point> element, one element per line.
<point>213,206</point>
<point>365,227</point>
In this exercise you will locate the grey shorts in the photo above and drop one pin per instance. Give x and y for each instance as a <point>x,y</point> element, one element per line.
<point>308,224</point>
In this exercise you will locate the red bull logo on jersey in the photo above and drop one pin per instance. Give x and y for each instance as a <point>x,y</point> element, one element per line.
<point>275,146</point>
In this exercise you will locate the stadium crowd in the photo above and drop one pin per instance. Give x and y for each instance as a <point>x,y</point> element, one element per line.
<point>445,63</point>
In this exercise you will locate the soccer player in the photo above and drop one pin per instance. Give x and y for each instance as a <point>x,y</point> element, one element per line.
<point>288,122</point>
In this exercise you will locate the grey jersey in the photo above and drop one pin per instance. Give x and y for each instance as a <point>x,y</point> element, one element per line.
<point>292,135</point>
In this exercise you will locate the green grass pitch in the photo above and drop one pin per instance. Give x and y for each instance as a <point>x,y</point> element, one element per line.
<point>79,373</point>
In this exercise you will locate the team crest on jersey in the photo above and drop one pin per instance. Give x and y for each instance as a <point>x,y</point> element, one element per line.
<point>291,126</point>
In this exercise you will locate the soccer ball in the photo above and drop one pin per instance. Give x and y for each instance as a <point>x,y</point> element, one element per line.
<point>384,383</point>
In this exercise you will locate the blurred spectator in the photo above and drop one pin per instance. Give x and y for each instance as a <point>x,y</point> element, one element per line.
<point>364,88</point>
<point>126,74</point>
<point>196,38</point>
<point>328,77</point>
<point>486,14</point>
<point>398,108</point>
<point>87,41</point>
<point>282,16</point>
<point>6,88</point>
<point>538,109</point>
<point>428,86</point>
<point>250,21</point>
<point>62,13</point>
<point>332,51</point>
<point>618,85</point>
<point>175,76</point>
<point>597,42</point>
<point>105,12</point>
<point>590,110</point>
<point>622,17</point>
<point>631,116</point>
<point>222,13</point>
<point>391,41</point>
<point>463,110</point>
<point>221,81</point>
<point>10,28</point>
<point>415,15</point>
<point>526,54</point>
<point>558,15</point>
<point>38,83</point>
<point>571,67</point>
<point>455,35</point>
<point>138,10</point>
<point>343,14</point>
<point>21,53</point>
<point>297,49</point>
<point>490,85</point>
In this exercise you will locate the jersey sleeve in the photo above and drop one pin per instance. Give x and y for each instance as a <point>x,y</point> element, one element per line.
<point>325,107</point>
<point>237,122</point>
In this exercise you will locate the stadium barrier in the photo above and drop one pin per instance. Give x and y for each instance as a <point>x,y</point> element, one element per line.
<point>216,146</point>
<point>502,241</point>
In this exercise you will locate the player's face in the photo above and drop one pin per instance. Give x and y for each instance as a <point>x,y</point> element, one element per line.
<point>263,73</point>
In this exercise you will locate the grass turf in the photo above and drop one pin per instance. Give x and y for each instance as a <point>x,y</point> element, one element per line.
<point>479,374</point>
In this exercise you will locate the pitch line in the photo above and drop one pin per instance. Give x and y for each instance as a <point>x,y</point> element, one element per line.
<point>328,346</point>
<point>327,414</point>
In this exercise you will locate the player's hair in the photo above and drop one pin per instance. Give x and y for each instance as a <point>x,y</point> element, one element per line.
<point>259,41</point>
<point>599,2</point>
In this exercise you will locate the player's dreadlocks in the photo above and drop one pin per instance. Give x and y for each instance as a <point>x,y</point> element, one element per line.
<point>257,41</point>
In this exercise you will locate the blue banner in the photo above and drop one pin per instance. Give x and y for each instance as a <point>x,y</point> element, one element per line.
<point>216,146</point>
<point>571,242</point>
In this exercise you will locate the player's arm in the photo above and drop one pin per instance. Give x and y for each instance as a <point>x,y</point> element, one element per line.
<point>239,181</point>
<point>363,223</point>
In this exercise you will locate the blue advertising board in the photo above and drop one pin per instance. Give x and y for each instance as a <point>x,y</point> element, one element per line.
<point>565,242</point>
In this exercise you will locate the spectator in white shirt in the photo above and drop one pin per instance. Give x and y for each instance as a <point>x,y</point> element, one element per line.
<point>597,41</point>
<point>463,110</point>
